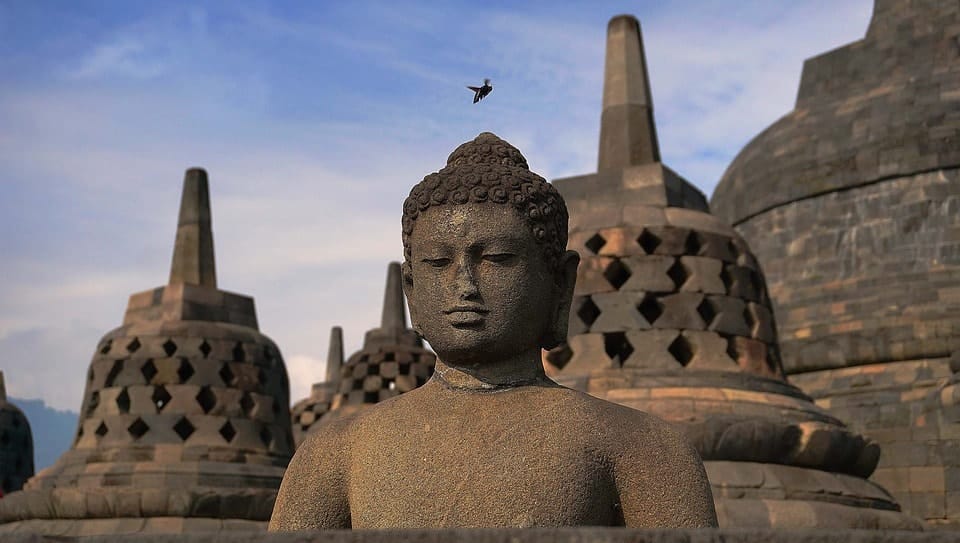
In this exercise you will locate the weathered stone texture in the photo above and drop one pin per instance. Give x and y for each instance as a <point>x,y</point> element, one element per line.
<point>909,408</point>
<point>511,535</point>
<point>866,275</point>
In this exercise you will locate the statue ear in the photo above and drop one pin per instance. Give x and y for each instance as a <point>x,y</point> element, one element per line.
<point>567,280</point>
<point>408,292</point>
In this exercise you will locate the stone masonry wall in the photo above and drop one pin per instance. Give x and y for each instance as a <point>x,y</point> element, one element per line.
<point>866,275</point>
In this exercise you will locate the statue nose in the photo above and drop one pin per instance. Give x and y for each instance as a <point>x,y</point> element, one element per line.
<point>466,282</point>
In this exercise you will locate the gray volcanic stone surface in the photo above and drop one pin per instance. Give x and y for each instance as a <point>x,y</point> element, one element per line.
<point>490,441</point>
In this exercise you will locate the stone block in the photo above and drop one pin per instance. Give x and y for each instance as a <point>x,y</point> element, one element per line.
<point>703,275</point>
<point>680,311</point>
<point>618,312</point>
<point>649,273</point>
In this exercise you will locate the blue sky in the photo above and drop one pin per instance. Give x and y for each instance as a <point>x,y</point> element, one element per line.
<point>314,119</point>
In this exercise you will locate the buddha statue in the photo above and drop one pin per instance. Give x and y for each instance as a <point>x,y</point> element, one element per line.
<point>490,440</point>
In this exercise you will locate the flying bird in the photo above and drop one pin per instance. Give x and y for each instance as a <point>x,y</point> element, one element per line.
<point>479,93</point>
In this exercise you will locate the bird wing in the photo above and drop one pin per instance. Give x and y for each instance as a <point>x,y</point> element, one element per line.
<point>474,89</point>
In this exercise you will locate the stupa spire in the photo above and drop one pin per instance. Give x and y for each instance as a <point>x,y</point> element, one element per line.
<point>3,389</point>
<point>335,354</point>
<point>393,316</point>
<point>193,261</point>
<point>628,136</point>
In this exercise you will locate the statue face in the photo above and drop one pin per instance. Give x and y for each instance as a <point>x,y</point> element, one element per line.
<point>479,287</point>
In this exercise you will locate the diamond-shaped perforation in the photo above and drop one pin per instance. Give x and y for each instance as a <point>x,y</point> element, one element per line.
<point>693,243</point>
<point>115,370</point>
<point>648,241</point>
<point>149,370</point>
<point>227,374</point>
<point>732,349</point>
<point>734,249</point>
<point>749,318</point>
<point>707,312</point>
<point>160,397</point>
<point>650,307</point>
<point>185,371</point>
<point>94,402</point>
<point>101,429</point>
<point>265,436</point>
<point>726,278</point>
<point>205,349</point>
<point>617,346</point>
<point>239,355</point>
<point>678,274</point>
<point>681,350</point>
<point>560,356</point>
<point>206,399</point>
<point>184,428</point>
<point>123,401</point>
<point>228,432</point>
<point>616,273</point>
<point>106,346</point>
<point>595,243</point>
<point>133,345</point>
<point>138,428</point>
<point>247,403</point>
<point>588,311</point>
<point>169,347</point>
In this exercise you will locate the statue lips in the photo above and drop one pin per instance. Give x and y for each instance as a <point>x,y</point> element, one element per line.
<point>466,316</point>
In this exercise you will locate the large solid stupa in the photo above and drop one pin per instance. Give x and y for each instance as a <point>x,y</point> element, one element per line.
<point>852,204</point>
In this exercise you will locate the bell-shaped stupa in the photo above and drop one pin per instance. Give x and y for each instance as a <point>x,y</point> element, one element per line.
<point>391,362</point>
<point>671,316</point>
<point>308,411</point>
<point>16,445</point>
<point>185,424</point>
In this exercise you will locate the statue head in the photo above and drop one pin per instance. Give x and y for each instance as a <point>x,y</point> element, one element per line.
<point>486,270</point>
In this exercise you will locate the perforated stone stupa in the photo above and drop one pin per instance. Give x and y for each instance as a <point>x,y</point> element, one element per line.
<point>671,316</point>
<point>185,424</point>
<point>16,445</point>
<point>852,204</point>
<point>308,411</point>
<point>391,362</point>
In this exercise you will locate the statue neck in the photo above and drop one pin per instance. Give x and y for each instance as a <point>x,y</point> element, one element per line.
<point>523,370</point>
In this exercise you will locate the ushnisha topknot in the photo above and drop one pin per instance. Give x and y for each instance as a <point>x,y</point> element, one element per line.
<point>488,169</point>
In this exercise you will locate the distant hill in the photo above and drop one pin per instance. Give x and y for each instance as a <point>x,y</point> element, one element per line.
<point>52,430</point>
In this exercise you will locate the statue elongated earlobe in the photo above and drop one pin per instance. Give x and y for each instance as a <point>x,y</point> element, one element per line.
<point>407,283</point>
<point>567,268</point>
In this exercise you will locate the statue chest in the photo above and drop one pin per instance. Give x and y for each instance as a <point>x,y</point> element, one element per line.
<point>476,472</point>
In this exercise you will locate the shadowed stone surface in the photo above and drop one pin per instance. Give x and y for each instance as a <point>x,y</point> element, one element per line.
<point>671,315</point>
<point>184,423</point>
<point>852,204</point>
<point>16,445</point>
<point>490,440</point>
